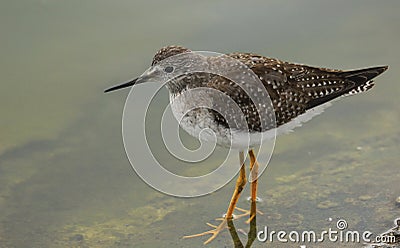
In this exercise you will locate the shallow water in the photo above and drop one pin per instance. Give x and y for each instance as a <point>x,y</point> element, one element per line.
<point>65,180</point>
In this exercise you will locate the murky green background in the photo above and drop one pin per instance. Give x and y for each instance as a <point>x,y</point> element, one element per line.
<point>65,180</point>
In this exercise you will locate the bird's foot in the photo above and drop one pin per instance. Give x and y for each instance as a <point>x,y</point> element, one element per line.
<point>214,232</point>
<point>251,213</point>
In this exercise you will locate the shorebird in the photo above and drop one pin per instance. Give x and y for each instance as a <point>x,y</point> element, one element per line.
<point>294,90</point>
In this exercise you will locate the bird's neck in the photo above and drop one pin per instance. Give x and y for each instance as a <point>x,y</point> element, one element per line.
<point>176,86</point>
<point>188,81</point>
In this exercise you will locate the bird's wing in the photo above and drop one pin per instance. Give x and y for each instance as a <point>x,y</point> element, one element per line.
<point>296,88</point>
<point>288,100</point>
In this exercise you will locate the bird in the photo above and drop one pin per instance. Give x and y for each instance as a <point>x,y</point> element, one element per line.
<point>284,96</point>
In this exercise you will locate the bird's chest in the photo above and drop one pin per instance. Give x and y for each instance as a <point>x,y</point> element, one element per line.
<point>191,108</point>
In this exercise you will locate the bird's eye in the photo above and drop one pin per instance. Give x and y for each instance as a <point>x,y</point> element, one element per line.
<point>169,69</point>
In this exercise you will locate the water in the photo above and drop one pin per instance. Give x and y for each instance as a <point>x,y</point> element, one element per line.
<point>65,180</point>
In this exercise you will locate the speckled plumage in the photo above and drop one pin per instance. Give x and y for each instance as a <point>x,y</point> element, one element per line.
<point>242,99</point>
<point>294,89</point>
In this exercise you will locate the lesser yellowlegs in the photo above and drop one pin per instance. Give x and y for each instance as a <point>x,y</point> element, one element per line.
<point>294,90</point>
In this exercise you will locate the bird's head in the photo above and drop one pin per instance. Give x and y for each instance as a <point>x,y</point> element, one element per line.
<point>158,71</point>
<point>167,52</point>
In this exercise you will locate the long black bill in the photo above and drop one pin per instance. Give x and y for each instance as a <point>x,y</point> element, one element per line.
<point>121,86</point>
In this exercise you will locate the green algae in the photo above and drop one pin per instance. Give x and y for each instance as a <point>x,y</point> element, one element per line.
<point>135,226</point>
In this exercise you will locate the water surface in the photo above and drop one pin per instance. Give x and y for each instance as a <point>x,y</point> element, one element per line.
<point>65,179</point>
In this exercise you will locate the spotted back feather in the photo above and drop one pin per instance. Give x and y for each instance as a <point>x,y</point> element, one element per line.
<point>293,88</point>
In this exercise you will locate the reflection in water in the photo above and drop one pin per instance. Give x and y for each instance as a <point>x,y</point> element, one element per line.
<point>240,184</point>
<point>252,234</point>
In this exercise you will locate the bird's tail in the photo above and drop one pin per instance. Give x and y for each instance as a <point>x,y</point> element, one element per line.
<point>362,78</point>
<point>356,81</point>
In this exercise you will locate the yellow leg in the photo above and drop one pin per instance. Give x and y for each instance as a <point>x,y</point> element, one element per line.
<point>240,183</point>
<point>254,180</point>
<point>254,173</point>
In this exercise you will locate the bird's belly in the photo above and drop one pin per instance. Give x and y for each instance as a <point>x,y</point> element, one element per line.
<point>200,123</point>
